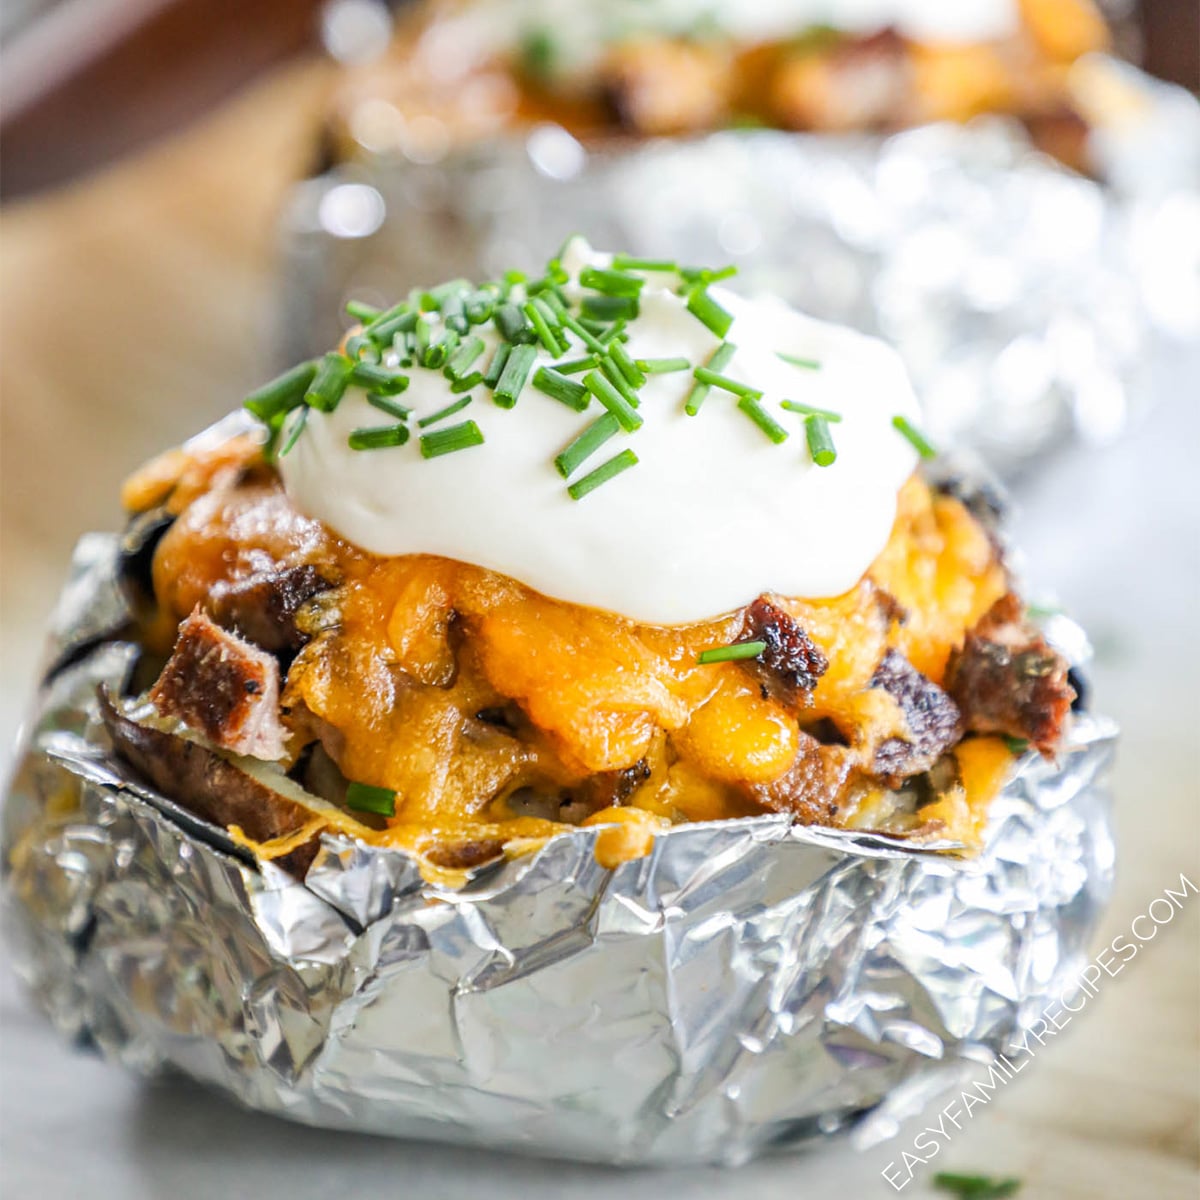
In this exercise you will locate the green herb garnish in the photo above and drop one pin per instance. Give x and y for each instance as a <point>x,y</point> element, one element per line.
<point>575,365</point>
<point>807,410</point>
<point>492,375</point>
<point>611,283</point>
<point>363,313</point>
<point>733,653</point>
<point>386,381</point>
<point>330,382</point>
<point>720,359</point>
<point>716,379</point>
<point>626,262</point>
<point>602,474</point>
<point>443,413</point>
<point>283,393</point>
<point>362,797</point>
<point>379,437</point>
<point>662,366</point>
<point>586,444</point>
<point>976,1187</point>
<point>565,391</point>
<point>919,441</point>
<point>1016,746</point>
<point>754,410</point>
<point>707,311</point>
<point>387,405</point>
<point>298,423</point>
<point>611,398</point>
<point>463,357</point>
<point>809,364</point>
<point>820,441</point>
<point>514,325</point>
<point>629,369</point>
<point>543,320</point>
<point>447,441</point>
<point>513,376</point>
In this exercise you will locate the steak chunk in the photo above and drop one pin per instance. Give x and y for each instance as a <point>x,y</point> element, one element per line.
<point>263,606</point>
<point>791,664</point>
<point>1007,679</point>
<point>934,722</point>
<point>223,687</point>
<point>810,788</point>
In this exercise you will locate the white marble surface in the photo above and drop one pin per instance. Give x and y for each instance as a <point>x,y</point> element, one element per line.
<point>1112,1112</point>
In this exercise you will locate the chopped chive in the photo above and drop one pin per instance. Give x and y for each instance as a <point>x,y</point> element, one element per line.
<point>1016,745</point>
<point>607,394</point>
<point>512,378</point>
<point>543,328</point>
<point>385,380</point>
<point>720,359</point>
<point>442,413</point>
<point>589,339</point>
<point>626,262</point>
<point>609,308</point>
<point>423,339</point>
<point>976,1187</point>
<point>356,345</point>
<point>630,369</point>
<point>716,379</point>
<point>330,383</point>
<point>492,375</point>
<point>602,474</point>
<point>763,419</point>
<point>479,308</point>
<point>401,319</point>
<point>566,391</point>
<point>707,311</point>
<point>808,410</point>
<point>447,441</point>
<point>282,393</point>
<point>586,444</point>
<point>366,313</point>
<point>575,365</point>
<point>378,438</point>
<point>454,315</point>
<point>661,366</point>
<point>613,374</point>
<point>706,275</point>
<point>460,361</point>
<point>438,352</point>
<point>611,283</point>
<point>553,299</point>
<point>362,797</point>
<point>466,383</point>
<point>820,441</point>
<point>919,441</point>
<point>733,653</point>
<point>298,423</point>
<point>809,364</point>
<point>514,325</point>
<point>389,406</point>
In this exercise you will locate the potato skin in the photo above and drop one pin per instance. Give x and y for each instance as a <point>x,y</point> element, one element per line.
<point>208,785</point>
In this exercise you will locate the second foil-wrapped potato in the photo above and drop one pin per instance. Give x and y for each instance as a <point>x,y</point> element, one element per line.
<point>606,546</point>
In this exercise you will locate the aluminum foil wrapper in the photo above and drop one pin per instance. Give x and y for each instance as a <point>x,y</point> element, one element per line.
<point>1028,301</point>
<point>747,987</point>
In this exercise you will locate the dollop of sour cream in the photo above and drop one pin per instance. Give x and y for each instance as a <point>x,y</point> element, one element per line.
<point>713,514</point>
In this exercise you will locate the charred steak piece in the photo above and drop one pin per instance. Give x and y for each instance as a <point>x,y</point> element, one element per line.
<point>1007,679</point>
<point>263,606</point>
<point>791,664</point>
<point>224,688</point>
<point>934,722</point>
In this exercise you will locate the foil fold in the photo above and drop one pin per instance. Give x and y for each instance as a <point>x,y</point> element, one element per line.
<point>1027,301</point>
<point>747,987</point>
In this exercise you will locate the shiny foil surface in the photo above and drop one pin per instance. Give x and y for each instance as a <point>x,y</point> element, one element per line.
<point>1026,300</point>
<point>745,988</point>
